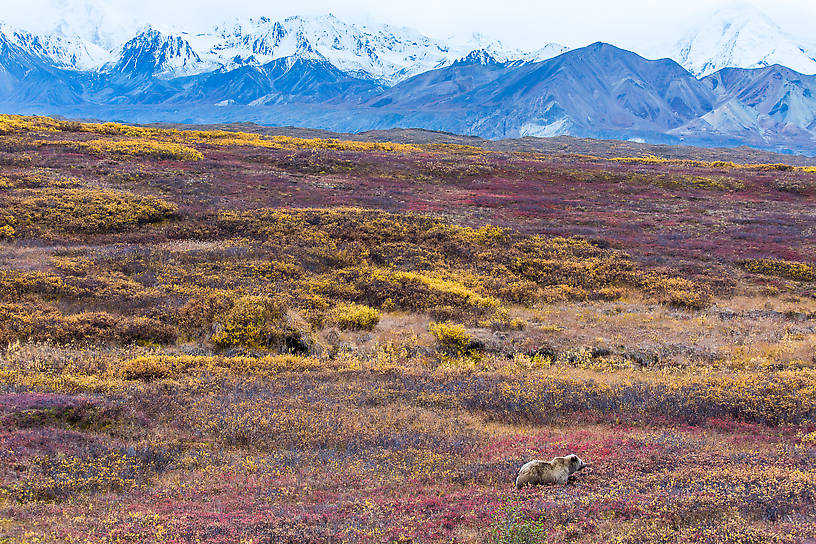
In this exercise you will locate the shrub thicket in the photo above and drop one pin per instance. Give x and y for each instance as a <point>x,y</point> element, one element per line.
<point>453,339</point>
<point>356,317</point>
<point>259,322</point>
<point>791,270</point>
<point>83,210</point>
<point>135,148</point>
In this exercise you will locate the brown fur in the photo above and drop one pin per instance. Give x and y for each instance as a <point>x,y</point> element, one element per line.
<point>556,471</point>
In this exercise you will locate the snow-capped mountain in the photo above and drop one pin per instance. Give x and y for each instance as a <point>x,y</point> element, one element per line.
<point>155,53</point>
<point>69,52</point>
<point>91,38</point>
<point>382,53</point>
<point>91,35</point>
<point>739,36</point>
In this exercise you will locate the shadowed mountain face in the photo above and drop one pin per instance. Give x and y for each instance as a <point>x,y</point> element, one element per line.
<point>778,92</point>
<point>587,91</point>
<point>280,81</point>
<point>596,91</point>
<point>27,78</point>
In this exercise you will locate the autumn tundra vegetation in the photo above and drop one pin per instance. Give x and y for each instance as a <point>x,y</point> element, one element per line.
<point>220,337</point>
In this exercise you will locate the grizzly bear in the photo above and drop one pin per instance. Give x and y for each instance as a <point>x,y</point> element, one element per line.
<point>556,471</point>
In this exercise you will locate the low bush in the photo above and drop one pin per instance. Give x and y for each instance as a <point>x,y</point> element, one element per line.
<point>418,263</point>
<point>10,124</point>
<point>7,232</point>
<point>260,322</point>
<point>144,369</point>
<point>64,477</point>
<point>253,321</point>
<point>87,211</point>
<point>675,291</point>
<point>151,367</point>
<point>512,525</point>
<point>143,329</point>
<point>796,185</point>
<point>136,148</point>
<point>654,160</point>
<point>453,339</point>
<point>791,270</point>
<point>342,145</point>
<point>356,317</point>
<point>686,298</point>
<point>417,291</point>
<point>16,284</point>
<point>38,322</point>
<point>784,397</point>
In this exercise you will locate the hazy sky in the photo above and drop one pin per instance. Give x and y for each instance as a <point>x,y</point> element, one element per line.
<point>519,23</point>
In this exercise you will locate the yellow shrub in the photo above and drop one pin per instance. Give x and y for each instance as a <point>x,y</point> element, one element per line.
<point>687,298</point>
<point>253,322</point>
<point>418,291</point>
<point>501,321</point>
<point>224,138</point>
<point>155,142</point>
<point>144,369</point>
<point>356,317</point>
<point>651,159</point>
<point>676,291</point>
<point>453,338</point>
<point>86,210</point>
<point>779,167</point>
<point>72,266</point>
<point>16,283</point>
<point>16,123</point>
<point>151,367</point>
<point>344,145</point>
<point>135,148</point>
<point>260,322</point>
<point>791,270</point>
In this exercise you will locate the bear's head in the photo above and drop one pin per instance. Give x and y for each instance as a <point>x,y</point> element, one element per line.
<point>575,463</point>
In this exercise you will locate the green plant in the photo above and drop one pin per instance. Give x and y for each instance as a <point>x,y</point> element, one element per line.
<point>511,526</point>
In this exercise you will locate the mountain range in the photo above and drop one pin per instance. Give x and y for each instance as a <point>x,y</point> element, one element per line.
<point>735,79</point>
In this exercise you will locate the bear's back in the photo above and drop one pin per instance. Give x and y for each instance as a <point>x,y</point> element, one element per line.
<point>560,462</point>
<point>537,472</point>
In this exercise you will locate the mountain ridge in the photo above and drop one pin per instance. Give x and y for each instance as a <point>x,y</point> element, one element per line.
<point>739,36</point>
<point>329,74</point>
